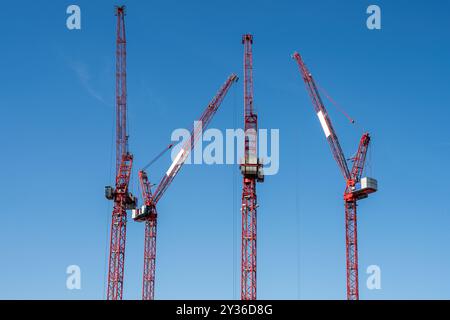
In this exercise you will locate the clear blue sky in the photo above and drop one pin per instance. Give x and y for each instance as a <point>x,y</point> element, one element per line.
<point>57,111</point>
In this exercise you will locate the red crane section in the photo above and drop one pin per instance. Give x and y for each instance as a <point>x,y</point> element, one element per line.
<point>322,114</point>
<point>250,117</point>
<point>148,283</point>
<point>252,172</point>
<point>123,199</point>
<point>148,212</point>
<point>360,158</point>
<point>356,187</point>
<point>121,87</point>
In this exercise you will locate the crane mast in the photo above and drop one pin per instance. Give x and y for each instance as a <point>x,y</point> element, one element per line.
<point>123,199</point>
<point>351,196</point>
<point>353,192</point>
<point>252,172</point>
<point>148,212</point>
<point>148,283</point>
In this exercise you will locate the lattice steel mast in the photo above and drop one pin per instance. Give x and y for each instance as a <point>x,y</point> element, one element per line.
<point>252,172</point>
<point>123,199</point>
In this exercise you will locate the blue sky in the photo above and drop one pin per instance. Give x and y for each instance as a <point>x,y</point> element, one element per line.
<point>57,111</point>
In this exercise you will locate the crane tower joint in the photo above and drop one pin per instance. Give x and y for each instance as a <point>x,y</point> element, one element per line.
<point>247,37</point>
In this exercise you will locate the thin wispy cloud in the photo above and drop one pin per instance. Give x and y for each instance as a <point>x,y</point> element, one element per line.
<point>83,74</point>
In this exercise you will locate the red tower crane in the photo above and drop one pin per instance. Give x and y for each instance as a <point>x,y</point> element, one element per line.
<point>252,172</point>
<point>357,188</point>
<point>123,199</point>
<point>147,213</point>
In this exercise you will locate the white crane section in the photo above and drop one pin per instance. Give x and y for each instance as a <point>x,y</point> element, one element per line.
<point>324,124</point>
<point>179,159</point>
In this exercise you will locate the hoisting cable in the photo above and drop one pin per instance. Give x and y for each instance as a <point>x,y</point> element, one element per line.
<point>339,107</point>
<point>158,156</point>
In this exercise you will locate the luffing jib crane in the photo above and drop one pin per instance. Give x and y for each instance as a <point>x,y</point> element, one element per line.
<point>357,188</point>
<point>123,199</point>
<point>252,172</point>
<point>148,213</point>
